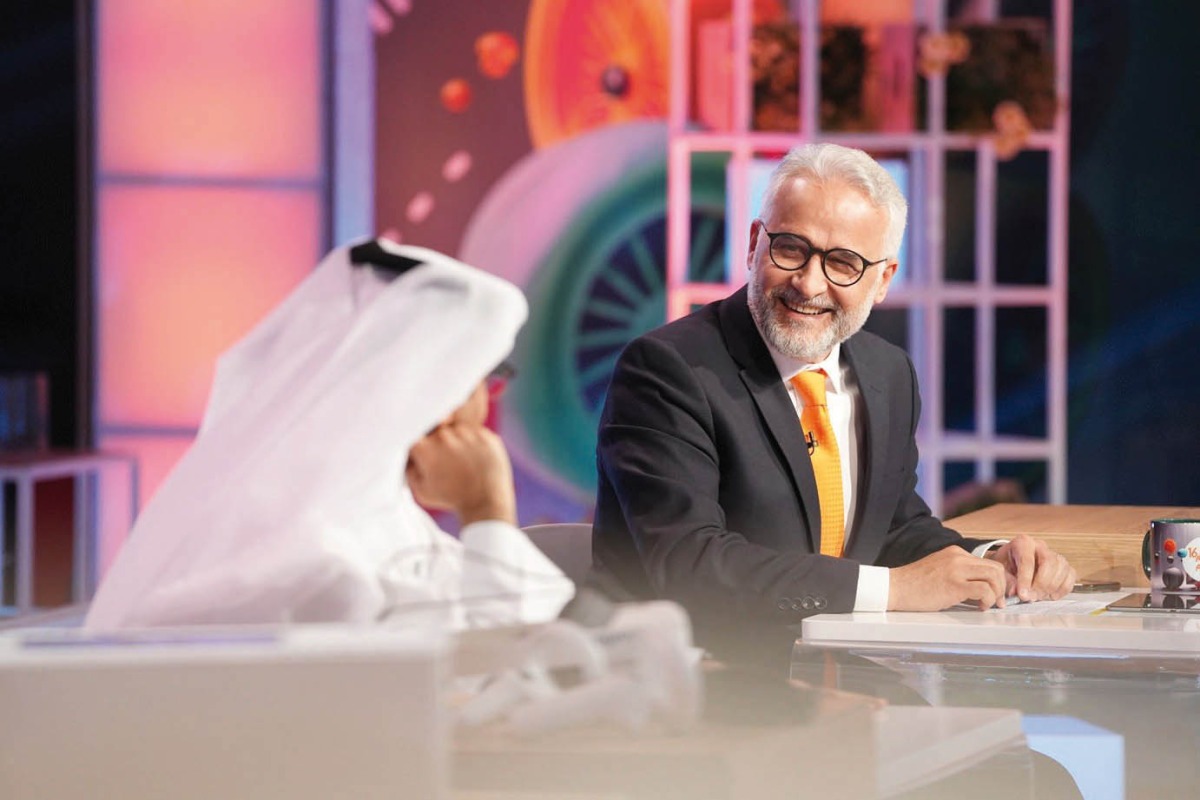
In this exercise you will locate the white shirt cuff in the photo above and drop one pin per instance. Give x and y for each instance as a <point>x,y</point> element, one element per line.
<point>873,586</point>
<point>874,583</point>
<point>505,548</point>
<point>980,551</point>
<point>486,533</point>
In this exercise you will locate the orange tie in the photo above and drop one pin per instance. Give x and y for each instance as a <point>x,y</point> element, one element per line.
<point>823,451</point>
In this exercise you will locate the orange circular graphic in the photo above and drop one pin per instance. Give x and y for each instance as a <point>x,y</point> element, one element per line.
<point>456,95</point>
<point>590,63</point>
<point>496,52</point>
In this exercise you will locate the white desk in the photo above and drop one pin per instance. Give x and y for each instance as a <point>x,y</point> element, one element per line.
<point>1076,624</point>
<point>916,746</point>
<point>895,749</point>
<point>1135,674</point>
<point>305,713</point>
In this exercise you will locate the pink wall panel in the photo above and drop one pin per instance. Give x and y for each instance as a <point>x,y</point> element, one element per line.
<point>157,456</point>
<point>218,87</point>
<point>183,273</point>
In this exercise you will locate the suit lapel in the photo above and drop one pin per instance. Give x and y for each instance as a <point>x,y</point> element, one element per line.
<point>761,379</point>
<point>864,546</point>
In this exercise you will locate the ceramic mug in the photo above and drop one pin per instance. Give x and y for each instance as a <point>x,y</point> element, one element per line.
<point>1171,555</point>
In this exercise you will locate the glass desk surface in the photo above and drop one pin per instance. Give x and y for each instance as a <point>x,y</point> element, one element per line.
<point>1136,674</point>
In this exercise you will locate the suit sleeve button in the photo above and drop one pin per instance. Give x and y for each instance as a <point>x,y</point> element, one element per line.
<point>821,604</point>
<point>808,603</point>
<point>784,603</point>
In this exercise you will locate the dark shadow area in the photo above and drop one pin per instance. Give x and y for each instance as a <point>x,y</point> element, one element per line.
<point>39,203</point>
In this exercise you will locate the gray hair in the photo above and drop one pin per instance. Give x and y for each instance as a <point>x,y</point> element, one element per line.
<point>823,162</point>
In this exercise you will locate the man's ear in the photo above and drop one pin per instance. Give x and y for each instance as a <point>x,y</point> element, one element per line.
<point>756,228</point>
<point>885,280</point>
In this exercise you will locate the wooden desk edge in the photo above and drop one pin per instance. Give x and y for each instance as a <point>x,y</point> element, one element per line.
<point>1103,543</point>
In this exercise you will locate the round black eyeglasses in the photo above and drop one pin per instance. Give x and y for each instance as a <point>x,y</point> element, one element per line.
<point>791,251</point>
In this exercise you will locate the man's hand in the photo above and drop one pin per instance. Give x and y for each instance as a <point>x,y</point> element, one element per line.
<point>1033,570</point>
<point>946,578</point>
<point>463,468</point>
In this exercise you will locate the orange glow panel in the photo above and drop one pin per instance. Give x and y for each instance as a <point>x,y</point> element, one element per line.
<point>867,12</point>
<point>219,87</point>
<point>183,273</point>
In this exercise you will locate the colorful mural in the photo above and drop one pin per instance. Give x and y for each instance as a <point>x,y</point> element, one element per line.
<point>528,140</point>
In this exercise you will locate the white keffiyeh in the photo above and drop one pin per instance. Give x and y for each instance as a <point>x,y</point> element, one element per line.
<point>290,506</point>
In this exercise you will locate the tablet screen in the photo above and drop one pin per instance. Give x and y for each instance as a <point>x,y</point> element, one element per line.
<point>1158,601</point>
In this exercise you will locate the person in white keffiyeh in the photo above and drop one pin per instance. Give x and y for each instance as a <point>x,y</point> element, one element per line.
<point>358,399</point>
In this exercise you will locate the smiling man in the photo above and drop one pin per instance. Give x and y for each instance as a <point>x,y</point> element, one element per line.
<point>757,460</point>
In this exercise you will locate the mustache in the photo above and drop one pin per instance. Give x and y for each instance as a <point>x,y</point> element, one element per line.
<point>792,298</point>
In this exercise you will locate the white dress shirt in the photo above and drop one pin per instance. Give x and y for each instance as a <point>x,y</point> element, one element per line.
<point>845,414</point>
<point>843,401</point>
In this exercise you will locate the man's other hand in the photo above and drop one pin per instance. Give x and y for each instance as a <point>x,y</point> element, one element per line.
<point>463,468</point>
<point>946,578</point>
<point>1033,571</point>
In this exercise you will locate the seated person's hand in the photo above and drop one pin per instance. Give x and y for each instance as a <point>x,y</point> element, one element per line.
<point>944,579</point>
<point>1032,570</point>
<point>461,466</point>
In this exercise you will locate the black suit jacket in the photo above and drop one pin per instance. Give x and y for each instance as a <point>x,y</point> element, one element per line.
<point>706,492</point>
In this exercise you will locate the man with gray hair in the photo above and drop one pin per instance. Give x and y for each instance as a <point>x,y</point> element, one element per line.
<point>757,459</point>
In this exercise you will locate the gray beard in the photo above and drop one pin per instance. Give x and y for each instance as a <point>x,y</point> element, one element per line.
<point>793,341</point>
